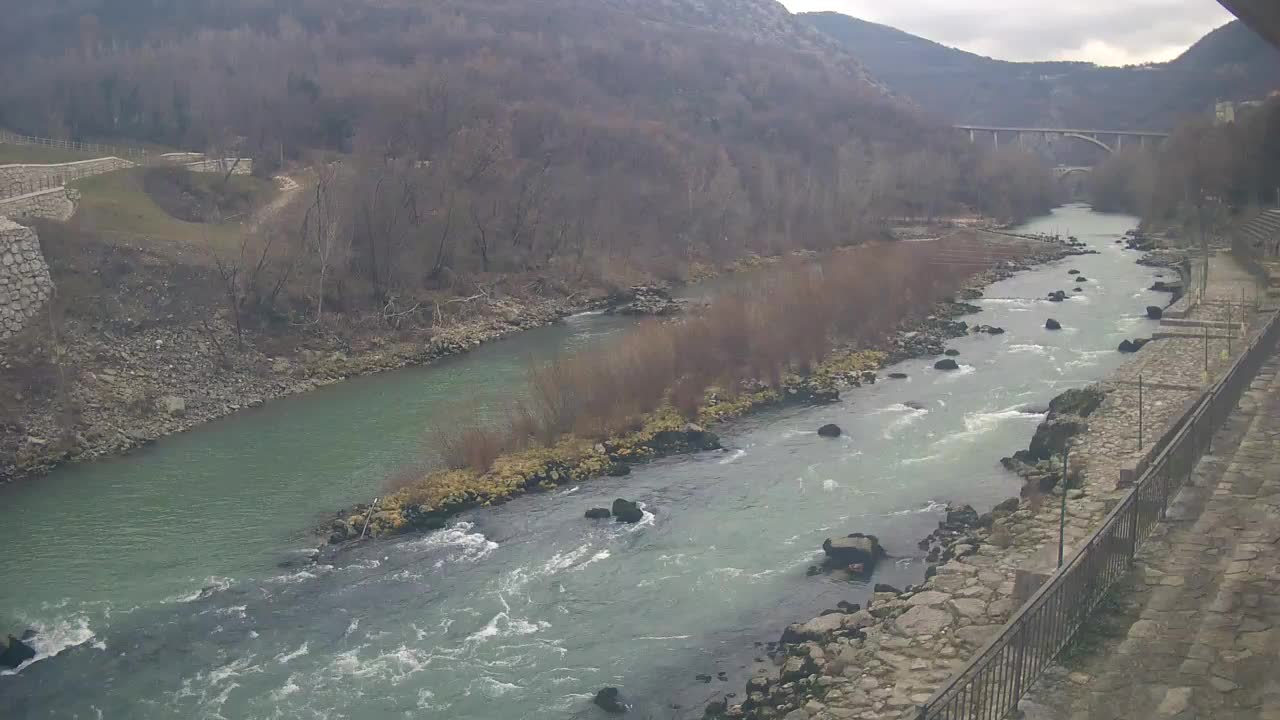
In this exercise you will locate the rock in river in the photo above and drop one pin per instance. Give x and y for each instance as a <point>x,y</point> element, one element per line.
<point>16,653</point>
<point>853,548</point>
<point>951,352</point>
<point>1154,312</point>
<point>946,364</point>
<point>609,700</point>
<point>1057,296</point>
<point>1052,324</point>
<point>830,430</point>
<point>897,376</point>
<point>627,511</point>
<point>597,513</point>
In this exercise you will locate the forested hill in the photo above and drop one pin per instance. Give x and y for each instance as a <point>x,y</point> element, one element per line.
<point>1230,63</point>
<point>617,132</point>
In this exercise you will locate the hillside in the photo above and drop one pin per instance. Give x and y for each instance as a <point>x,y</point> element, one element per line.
<point>1230,63</point>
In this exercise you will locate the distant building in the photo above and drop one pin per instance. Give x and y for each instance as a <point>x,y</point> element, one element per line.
<point>1224,113</point>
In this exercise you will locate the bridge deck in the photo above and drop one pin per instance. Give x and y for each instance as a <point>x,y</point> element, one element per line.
<point>1127,133</point>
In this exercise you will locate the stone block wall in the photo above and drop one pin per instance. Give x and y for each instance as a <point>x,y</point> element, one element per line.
<point>54,204</point>
<point>244,167</point>
<point>25,285</point>
<point>11,175</point>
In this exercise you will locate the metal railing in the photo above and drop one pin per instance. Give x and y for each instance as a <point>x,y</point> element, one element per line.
<point>136,154</point>
<point>990,685</point>
<point>50,181</point>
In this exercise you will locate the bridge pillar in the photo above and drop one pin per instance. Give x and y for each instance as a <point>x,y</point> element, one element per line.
<point>1119,142</point>
<point>995,138</point>
<point>970,137</point>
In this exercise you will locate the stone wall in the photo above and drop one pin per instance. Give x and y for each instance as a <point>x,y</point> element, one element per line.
<point>54,204</point>
<point>237,166</point>
<point>25,285</point>
<point>11,175</point>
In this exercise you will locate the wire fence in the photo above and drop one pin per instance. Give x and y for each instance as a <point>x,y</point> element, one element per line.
<point>991,684</point>
<point>136,154</point>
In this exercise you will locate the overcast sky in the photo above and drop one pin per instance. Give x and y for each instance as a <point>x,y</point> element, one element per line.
<point>1107,32</point>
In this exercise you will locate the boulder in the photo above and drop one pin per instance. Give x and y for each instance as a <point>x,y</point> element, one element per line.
<point>1081,279</point>
<point>1007,507</point>
<point>946,364</point>
<point>923,620</point>
<point>610,700</point>
<point>897,376</point>
<point>961,517</point>
<point>830,430</point>
<point>597,513</point>
<point>1052,324</point>
<point>886,588</point>
<point>1053,435</point>
<point>1154,312</point>
<point>913,405</point>
<point>16,653</point>
<point>1078,290</point>
<point>853,548</point>
<point>989,329</point>
<point>1077,401</point>
<point>1057,296</point>
<point>627,511</point>
<point>1127,347</point>
<point>1073,272</point>
<point>172,405</point>
<point>951,352</point>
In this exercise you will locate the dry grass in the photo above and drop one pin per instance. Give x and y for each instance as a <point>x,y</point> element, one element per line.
<point>786,322</point>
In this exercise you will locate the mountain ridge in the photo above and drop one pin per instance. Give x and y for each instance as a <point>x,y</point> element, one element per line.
<point>957,86</point>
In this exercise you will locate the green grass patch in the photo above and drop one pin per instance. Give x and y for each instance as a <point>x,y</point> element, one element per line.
<point>39,155</point>
<point>117,204</point>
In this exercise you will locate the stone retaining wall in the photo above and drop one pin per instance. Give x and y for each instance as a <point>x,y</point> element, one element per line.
<point>33,174</point>
<point>25,284</point>
<point>53,204</point>
<point>237,166</point>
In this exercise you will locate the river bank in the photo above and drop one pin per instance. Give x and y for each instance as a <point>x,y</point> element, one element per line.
<point>427,503</point>
<point>884,660</point>
<point>161,567</point>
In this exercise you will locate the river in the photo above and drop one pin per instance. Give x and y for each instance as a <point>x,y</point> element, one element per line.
<point>159,573</point>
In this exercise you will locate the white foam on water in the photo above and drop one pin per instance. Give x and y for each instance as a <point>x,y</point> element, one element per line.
<point>647,520</point>
<point>352,627</point>
<point>212,584</point>
<point>234,611</point>
<point>980,423</point>
<point>1029,348</point>
<point>503,625</point>
<point>294,578</point>
<point>932,506</point>
<point>286,657</point>
<point>289,688</point>
<point>55,636</point>
<point>463,544</point>
<point>908,416</point>
<point>602,555</point>
<point>570,491</point>
<point>732,456</point>
<point>919,460</point>
<point>491,687</point>
<point>664,637</point>
<point>830,485</point>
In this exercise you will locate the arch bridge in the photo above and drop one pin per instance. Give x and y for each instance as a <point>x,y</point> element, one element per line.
<point>1094,137</point>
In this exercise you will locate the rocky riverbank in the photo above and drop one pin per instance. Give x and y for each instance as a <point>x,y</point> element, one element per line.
<point>883,661</point>
<point>111,392</point>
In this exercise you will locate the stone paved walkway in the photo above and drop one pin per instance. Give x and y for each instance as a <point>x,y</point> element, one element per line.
<point>1199,636</point>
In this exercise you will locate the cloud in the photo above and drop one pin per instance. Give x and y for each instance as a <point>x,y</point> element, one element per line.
<point>1107,32</point>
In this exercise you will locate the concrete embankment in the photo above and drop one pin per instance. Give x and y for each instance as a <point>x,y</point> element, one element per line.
<point>889,658</point>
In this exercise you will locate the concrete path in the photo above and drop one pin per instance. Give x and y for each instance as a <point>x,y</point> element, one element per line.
<point>1195,629</point>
